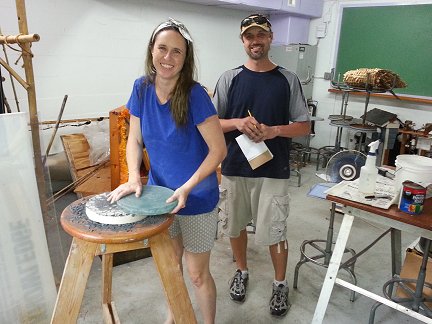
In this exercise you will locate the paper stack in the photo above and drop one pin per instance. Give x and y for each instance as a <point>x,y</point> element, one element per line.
<point>256,153</point>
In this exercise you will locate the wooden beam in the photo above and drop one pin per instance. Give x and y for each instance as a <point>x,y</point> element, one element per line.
<point>31,97</point>
<point>14,74</point>
<point>68,121</point>
<point>14,39</point>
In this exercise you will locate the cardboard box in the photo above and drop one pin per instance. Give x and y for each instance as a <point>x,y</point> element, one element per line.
<point>410,270</point>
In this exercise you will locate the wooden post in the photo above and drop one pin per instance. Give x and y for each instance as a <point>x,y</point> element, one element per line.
<point>31,96</point>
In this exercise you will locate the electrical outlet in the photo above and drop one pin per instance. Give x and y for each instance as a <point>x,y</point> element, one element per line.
<point>327,75</point>
<point>321,30</point>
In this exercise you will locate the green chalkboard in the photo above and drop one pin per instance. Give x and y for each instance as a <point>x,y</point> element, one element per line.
<point>398,38</point>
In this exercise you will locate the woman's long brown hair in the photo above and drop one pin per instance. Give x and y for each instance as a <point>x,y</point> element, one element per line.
<point>180,94</point>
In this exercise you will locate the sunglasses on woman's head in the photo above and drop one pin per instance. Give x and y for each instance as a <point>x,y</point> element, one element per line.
<point>177,25</point>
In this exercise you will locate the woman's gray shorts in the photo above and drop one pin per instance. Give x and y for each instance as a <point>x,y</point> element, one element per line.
<point>264,201</point>
<point>198,231</point>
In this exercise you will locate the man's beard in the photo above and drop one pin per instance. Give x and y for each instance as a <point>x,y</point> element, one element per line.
<point>256,55</point>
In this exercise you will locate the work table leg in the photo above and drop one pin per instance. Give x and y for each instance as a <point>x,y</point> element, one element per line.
<point>333,268</point>
<point>396,251</point>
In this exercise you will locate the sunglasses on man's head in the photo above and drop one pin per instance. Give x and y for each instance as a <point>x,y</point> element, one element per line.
<point>260,20</point>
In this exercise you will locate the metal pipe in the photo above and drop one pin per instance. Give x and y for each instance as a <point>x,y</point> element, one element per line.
<point>55,129</point>
<point>2,102</point>
<point>11,78</point>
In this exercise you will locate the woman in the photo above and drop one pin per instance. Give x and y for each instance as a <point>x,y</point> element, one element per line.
<point>174,117</point>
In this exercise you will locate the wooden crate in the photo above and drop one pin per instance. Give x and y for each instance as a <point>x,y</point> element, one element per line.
<point>77,151</point>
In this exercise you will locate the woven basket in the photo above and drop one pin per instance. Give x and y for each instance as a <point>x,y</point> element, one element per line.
<point>374,79</point>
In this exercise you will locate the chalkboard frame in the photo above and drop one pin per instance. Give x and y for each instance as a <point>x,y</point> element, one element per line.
<point>418,77</point>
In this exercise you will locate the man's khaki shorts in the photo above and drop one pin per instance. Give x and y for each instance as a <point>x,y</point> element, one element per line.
<point>264,201</point>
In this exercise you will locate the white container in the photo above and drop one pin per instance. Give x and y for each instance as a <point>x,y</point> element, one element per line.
<point>413,167</point>
<point>368,176</point>
<point>369,171</point>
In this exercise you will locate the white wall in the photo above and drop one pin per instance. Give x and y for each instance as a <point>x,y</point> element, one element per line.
<point>93,50</point>
<point>330,103</point>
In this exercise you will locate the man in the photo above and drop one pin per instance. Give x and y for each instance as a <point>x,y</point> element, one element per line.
<point>266,103</point>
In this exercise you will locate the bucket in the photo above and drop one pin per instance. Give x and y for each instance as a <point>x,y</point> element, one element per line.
<point>416,168</point>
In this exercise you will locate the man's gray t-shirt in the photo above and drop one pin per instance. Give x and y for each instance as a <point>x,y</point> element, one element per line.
<point>274,98</point>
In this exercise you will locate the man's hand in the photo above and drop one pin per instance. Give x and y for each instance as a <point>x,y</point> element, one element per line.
<point>268,132</point>
<point>251,128</point>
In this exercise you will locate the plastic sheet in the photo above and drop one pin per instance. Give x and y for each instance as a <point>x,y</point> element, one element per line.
<point>27,287</point>
<point>99,141</point>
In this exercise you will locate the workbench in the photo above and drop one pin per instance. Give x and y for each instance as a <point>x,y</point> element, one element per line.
<point>398,221</point>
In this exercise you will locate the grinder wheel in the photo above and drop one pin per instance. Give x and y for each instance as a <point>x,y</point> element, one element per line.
<point>345,165</point>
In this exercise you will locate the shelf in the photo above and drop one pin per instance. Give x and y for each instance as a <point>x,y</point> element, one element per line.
<point>303,8</point>
<point>386,96</point>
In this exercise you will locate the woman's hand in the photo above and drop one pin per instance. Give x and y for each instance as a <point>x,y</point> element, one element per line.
<point>125,189</point>
<point>180,195</point>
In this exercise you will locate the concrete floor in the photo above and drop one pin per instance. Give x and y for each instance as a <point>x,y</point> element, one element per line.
<point>139,299</point>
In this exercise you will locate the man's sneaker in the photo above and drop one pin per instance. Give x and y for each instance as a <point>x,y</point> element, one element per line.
<point>279,303</point>
<point>238,287</point>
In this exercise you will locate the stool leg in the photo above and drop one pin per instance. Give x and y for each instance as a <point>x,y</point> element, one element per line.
<point>318,161</point>
<point>107,267</point>
<point>372,312</point>
<point>172,279</point>
<point>108,308</point>
<point>329,242</point>
<point>418,296</point>
<point>297,268</point>
<point>74,280</point>
<point>324,253</point>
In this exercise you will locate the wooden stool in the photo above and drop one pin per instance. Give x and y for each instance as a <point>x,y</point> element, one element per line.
<point>91,239</point>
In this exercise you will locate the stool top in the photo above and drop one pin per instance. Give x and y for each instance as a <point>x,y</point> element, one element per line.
<point>76,223</point>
